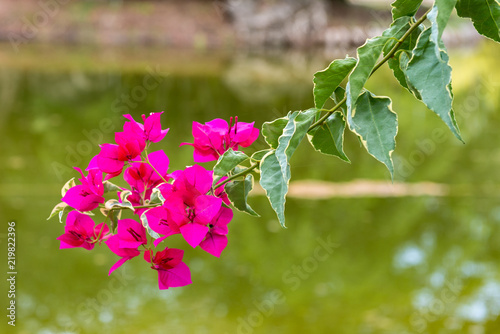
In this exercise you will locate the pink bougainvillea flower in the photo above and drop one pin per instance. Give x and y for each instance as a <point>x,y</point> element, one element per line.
<point>112,157</point>
<point>150,130</point>
<point>93,180</point>
<point>193,221</point>
<point>82,198</point>
<point>188,184</point>
<point>142,176</point>
<point>216,240</point>
<point>88,195</point>
<point>80,231</point>
<point>214,138</point>
<point>125,253</point>
<point>172,272</point>
<point>131,234</point>
<point>220,192</point>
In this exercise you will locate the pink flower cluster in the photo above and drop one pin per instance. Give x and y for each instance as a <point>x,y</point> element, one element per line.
<point>190,205</point>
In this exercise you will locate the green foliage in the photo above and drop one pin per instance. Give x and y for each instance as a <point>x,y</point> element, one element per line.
<point>273,130</point>
<point>227,162</point>
<point>485,15</point>
<point>368,55</point>
<point>109,187</point>
<point>144,221</point>
<point>156,197</point>
<point>70,184</point>
<point>328,137</point>
<point>330,78</point>
<point>275,183</point>
<point>376,124</point>
<point>419,61</point>
<point>402,8</point>
<point>237,192</point>
<point>275,166</point>
<point>61,210</point>
<point>433,88</point>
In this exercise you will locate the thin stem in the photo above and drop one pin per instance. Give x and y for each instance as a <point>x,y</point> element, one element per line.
<point>325,116</point>
<point>100,232</point>
<point>375,68</point>
<point>398,44</point>
<point>137,207</point>
<point>237,175</point>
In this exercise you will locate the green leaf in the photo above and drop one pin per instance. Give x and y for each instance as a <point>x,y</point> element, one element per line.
<point>144,221</point>
<point>376,124</point>
<point>273,130</point>
<point>125,204</point>
<point>368,55</point>
<point>227,162</point>
<point>402,8</point>
<point>257,156</point>
<point>439,17</point>
<point>60,209</point>
<point>328,138</point>
<point>429,74</point>
<point>156,197</point>
<point>109,187</point>
<point>275,166</point>
<point>112,216</point>
<point>237,192</point>
<point>404,49</point>
<point>293,133</point>
<point>275,183</point>
<point>70,184</point>
<point>484,14</point>
<point>326,81</point>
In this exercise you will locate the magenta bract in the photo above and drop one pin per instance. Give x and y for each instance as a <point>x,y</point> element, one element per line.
<point>214,138</point>
<point>150,130</point>
<point>171,271</point>
<point>80,231</point>
<point>188,203</point>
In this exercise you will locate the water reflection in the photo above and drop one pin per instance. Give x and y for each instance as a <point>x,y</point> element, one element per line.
<point>425,264</point>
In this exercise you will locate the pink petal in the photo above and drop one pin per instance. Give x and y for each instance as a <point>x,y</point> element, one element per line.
<point>108,159</point>
<point>81,221</point>
<point>102,230</point>
<point>199,178</point>
<point>118,264</point>
<point>147,255</point>
<point>82,198</point>
<point>157,220</point>
<point>175,277</point>
<point>131,233</point>
<point>224,217</point>
<point>152,127</point>
<point>200,155</point>
<point>194,233</point>
<point>160,162</point>
<point>205,137</point>
<point>70,241</point>
<point>214,244</point>
<point>92,163</point>
<point>113,244</point>
<point>159,240</point>
<point>219,126</point>
<point>206,208</point>
<point>246,134</point>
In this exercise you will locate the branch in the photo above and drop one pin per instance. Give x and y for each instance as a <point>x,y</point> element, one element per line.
<point>377,66</point>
